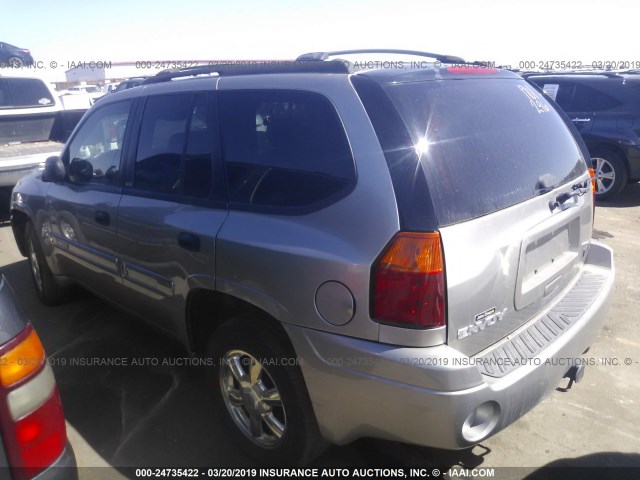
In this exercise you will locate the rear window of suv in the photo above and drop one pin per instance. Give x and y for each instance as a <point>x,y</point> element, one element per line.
<point>284,150</point>
<point>24,93</point>
<point>485,144</point>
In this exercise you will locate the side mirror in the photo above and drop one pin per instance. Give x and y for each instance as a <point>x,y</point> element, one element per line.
<point>80,171</point>
<point>53,170</point>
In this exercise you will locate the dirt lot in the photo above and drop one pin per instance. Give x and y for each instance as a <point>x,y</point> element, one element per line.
<point>152,416</point>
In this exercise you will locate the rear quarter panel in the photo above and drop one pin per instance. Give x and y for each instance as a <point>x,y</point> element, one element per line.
<point>278,261</point>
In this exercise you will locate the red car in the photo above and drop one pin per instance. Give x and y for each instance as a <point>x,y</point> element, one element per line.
<point>34,437</point>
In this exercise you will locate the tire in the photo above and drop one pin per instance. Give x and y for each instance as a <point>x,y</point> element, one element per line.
<point>15,62</point>
<point>264,406</point>
<point>611,173</point>
<point>48,290</point>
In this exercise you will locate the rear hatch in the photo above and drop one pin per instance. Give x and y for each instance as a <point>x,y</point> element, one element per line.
<point>508,182</point>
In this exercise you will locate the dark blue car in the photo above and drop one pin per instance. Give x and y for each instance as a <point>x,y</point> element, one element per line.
<point>15,57</point>
<point>605,109</point>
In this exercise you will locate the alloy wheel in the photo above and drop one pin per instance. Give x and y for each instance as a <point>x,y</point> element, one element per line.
<point>15,62</point>
<point>605,174</point>
<point>35,266</point>
<point>252,398</point>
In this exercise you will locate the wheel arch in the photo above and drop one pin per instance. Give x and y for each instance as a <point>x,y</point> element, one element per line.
<point>19,220</point>
<point>207,309</point>
<point>594,146</point>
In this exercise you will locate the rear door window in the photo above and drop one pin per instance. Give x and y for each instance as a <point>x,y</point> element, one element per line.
<point>283,149</point>
<point>174,146</point>
<point>561,93</point>
<point>485,144</point>
<point>24,93</point>
<point>196,163</point>
<point>588,99</point>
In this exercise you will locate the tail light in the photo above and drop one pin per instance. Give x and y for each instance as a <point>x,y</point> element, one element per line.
<point>15,366</point>
<point>408,282</point>
<point>594,189</point>
<point>33,426</point>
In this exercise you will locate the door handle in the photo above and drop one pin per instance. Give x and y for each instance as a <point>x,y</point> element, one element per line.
<point>189,241</point>
<point>580,120</point>
<point>102,217</point>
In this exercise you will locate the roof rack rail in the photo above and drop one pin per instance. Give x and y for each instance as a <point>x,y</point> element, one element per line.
<point>321,56</point>
<point>253,68</point>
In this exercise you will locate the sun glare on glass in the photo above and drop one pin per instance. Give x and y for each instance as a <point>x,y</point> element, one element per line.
<point>422,146</point>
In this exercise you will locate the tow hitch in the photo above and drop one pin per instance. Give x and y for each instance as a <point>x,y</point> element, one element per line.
<point>574,374</point>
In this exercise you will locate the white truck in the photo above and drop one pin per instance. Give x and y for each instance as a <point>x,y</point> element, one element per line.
<point>33,126</point>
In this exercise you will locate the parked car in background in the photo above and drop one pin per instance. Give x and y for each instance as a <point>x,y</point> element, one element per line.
<point>14,57</point>
<point>130,83</point>
<point>75,101</point>
<point>605,108</point>
<point>109,88</point>
<point>34,124</point>
<point>93,91</point>
<point>359,252</point>
<point>32,424</point>
<point>30,126</point>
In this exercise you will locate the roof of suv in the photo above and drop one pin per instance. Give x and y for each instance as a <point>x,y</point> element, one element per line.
<point>387,71</point>
<point>434,71</point>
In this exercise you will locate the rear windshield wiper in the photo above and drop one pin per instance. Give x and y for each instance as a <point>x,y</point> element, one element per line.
<point>545,184</point>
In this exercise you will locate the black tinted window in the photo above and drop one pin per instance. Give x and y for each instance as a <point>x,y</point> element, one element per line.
<point>24,93</point>
<point>559,92</point>
<point>283,148</point>
<point>485,144</point>
<point>95,151</point>
<point>587,99</point>
<point>128,84</point>
<point>564,95</point>
<point>174,154</point>
<point>415,208</point>
<point>197,156</point>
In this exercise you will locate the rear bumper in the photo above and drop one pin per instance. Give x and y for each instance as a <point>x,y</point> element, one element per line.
<point>64,468</point>
<point>436,396</point>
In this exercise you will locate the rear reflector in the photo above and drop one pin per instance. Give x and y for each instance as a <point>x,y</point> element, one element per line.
<point>408,282</point>
<point>21,360</point>
<point>594,189</point>
<point>594,185</point>
<point>26,398</point>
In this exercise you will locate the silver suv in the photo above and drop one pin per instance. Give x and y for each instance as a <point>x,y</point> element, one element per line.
<point>401,252</point>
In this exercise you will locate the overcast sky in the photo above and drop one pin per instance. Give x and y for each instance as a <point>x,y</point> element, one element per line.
<point>506,31</point>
